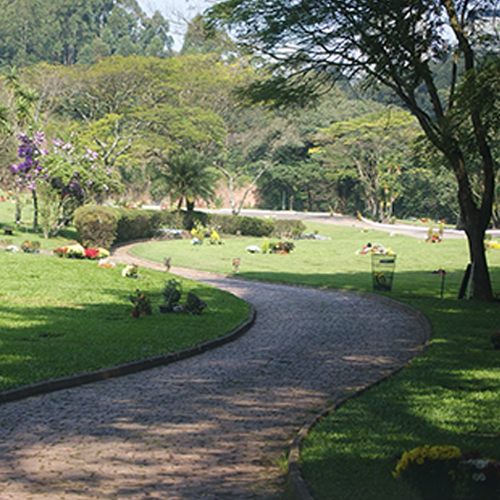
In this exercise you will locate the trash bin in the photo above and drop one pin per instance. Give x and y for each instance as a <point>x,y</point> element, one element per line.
<point>383,272</point>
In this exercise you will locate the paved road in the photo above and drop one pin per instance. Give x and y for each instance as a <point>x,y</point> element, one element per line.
<point>210,427</point>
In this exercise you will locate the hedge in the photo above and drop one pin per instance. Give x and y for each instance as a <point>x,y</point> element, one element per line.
<point>100,226</point>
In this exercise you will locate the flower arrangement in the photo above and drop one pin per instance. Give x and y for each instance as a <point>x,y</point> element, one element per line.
<point>215,238</point>
<point>77,251</point>
<point>106,264</point>
<point>130,271</point>
<point>443,472</point>
<point>492,244</point>
<point>198,234</point>
<point>142,304</point>
<point>282,247</point>
<point>375,249</point>
<point>431,470</point>
<point>29,246</point>
<point>434,236</point>
<point>479,477</point>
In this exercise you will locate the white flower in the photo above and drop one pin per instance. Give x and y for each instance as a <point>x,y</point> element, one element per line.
<point>479,477</point>
<point>253,249</point>
<point>480,463</point>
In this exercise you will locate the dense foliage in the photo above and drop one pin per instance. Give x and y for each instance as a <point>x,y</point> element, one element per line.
<point>83,31</point>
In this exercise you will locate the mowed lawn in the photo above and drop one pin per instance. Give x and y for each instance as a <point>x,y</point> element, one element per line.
<point>332,263</point>
<point>61,317</point>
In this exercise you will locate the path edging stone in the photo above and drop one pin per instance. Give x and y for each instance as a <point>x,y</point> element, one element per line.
<point>296,483</point>
<point>126,368</point>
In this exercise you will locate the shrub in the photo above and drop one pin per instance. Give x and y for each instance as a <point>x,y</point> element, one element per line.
<point>247,226</point>
<point>138,224</point>
<point>194,305</point>
<point>255,226</point>
<point>96,225</point>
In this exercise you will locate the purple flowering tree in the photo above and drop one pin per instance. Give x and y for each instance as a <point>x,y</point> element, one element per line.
<point>29,171</point>
<point>70,175</point>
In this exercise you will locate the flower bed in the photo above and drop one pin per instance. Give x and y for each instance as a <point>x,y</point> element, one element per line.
<point>77,251</point>
<point>444,472</point>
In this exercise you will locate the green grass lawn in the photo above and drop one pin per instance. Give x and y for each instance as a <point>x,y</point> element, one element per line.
<point>331,263</point>
<point>449,395</point>
<point>61,317</point>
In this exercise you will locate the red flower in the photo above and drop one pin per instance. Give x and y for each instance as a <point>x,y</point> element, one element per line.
<point>91,253</point>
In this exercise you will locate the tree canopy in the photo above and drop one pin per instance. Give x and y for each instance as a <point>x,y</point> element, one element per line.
<point>84,31</point>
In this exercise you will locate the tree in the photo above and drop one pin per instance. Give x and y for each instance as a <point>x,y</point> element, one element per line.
<point>17,118</point>
<point>376,144</point>
<point>184,177</point>
<point>199,40</point>
<point>83,31</point>
<point>310,43</point>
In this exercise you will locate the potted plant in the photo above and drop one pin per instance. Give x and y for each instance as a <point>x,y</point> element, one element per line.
<point>142,304</point>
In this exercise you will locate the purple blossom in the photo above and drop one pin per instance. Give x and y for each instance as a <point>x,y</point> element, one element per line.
<point>30,152</point>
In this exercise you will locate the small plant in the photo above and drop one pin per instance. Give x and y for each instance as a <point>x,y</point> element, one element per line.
<point>172,293</point>
<point>29,246</point>
<point>142,304</point>
<point>194,305</point>
<point>266,246</point>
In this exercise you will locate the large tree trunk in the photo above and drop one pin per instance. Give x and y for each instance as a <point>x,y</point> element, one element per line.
<point>479,274</point>
<point>475,222</point>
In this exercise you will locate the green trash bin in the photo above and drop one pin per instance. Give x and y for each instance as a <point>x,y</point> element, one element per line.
<point>383,267</point>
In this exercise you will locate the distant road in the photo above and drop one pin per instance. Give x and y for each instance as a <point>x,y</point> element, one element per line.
<point>343,220</point>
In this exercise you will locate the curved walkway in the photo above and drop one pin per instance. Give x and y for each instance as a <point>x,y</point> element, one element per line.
<point>213,426</point>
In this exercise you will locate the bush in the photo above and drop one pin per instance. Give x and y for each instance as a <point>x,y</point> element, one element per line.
<point>289,228</point>
<point>96,226</point>
<point>138,224</point>
<point>246,226</point>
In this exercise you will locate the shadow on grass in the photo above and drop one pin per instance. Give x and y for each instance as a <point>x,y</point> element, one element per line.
<point>448,395</point>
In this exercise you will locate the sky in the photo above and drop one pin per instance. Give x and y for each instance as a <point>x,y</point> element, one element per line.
<point>178,12</point>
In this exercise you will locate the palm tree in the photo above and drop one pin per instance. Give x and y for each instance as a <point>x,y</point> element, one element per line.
<point>185,177</point>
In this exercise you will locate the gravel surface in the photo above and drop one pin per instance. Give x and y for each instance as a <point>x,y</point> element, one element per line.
<point>213,426</point>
